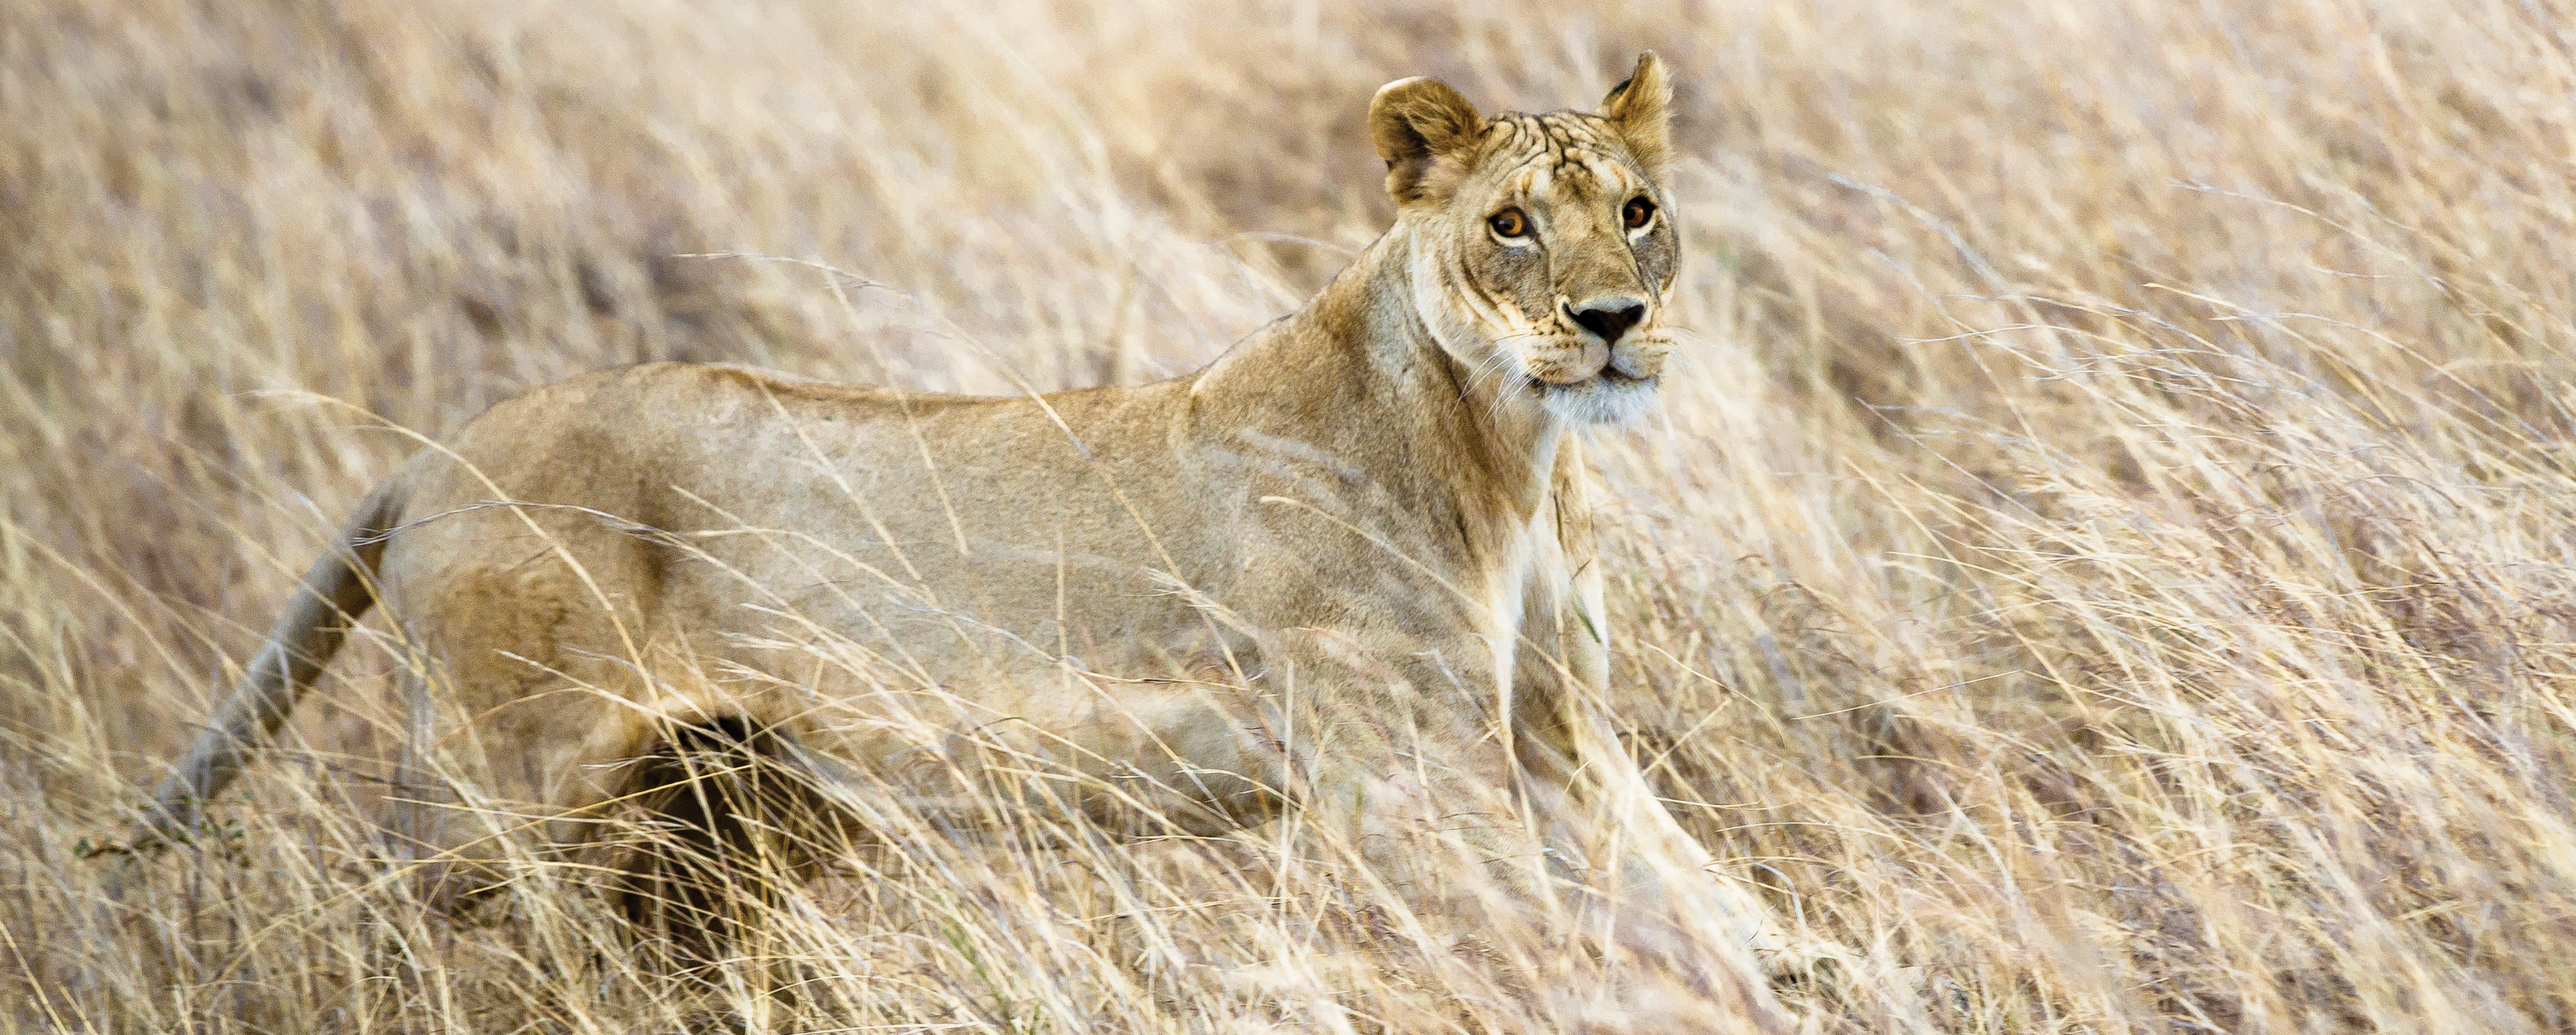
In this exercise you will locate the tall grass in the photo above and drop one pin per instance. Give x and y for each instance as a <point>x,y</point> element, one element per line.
<point>2105,554</point>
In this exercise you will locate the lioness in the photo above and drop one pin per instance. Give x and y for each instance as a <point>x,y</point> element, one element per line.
<point>1364,530</point>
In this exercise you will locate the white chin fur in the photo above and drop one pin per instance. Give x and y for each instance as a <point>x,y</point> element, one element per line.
<point>1599,401</point>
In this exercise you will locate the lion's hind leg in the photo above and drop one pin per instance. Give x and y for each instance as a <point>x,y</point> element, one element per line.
<point>728,816</point>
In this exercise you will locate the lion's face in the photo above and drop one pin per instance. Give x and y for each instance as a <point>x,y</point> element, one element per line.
<point>1543,243</point>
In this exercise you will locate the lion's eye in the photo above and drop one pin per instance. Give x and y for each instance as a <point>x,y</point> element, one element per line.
<point>1639,210</point>
<point>1509,223</point>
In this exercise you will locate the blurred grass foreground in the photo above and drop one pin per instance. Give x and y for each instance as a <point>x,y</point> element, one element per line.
<point>2107,554</point>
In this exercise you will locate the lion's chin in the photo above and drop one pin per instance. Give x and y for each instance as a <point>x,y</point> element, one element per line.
<point>1609,397</point>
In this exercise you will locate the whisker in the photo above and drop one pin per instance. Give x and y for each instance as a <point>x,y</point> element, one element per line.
<point>1494,364</point>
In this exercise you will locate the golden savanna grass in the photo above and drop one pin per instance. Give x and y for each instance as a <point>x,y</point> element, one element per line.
<point>2105,555</point>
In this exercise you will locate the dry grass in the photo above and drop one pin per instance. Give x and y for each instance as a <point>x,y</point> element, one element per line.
<point>2107,556</point>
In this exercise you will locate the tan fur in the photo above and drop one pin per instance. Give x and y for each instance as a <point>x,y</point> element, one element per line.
<point>1368,521</point>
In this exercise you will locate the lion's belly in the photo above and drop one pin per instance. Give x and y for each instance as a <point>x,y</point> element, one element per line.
<point>1149,758</point>
<point>1018,675</point>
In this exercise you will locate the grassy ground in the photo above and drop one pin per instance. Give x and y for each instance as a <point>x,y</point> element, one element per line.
<point>2106,554</point>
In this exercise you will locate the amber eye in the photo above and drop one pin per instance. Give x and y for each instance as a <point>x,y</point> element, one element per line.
<point>1509,223</point>
<point>1639,210</point>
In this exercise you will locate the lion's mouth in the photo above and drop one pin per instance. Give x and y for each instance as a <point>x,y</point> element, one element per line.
<point>1556,367</point>
<point>1609,376</point>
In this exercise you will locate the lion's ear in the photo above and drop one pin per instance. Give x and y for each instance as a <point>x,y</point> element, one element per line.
<point>1426,132</point>
<point>1642,109</point>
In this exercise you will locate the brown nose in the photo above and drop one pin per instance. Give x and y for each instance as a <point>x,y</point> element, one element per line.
<point>1609,317</point>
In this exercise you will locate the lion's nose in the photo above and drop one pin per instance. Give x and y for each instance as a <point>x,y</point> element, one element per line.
<point>1608,317</point>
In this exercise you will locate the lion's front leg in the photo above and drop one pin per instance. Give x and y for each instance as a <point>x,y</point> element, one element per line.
<point>1413,770</point>
<point>1607,820</point>
<point>1396,764</point>
<point>1656,872</point>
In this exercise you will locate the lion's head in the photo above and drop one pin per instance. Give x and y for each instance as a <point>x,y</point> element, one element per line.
<point>1543,246</point>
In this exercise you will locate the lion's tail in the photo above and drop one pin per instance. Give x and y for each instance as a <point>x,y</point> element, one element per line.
<point>333,595</point>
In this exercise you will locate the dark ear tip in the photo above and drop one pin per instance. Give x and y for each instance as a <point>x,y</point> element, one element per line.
<point>1657,89</point>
